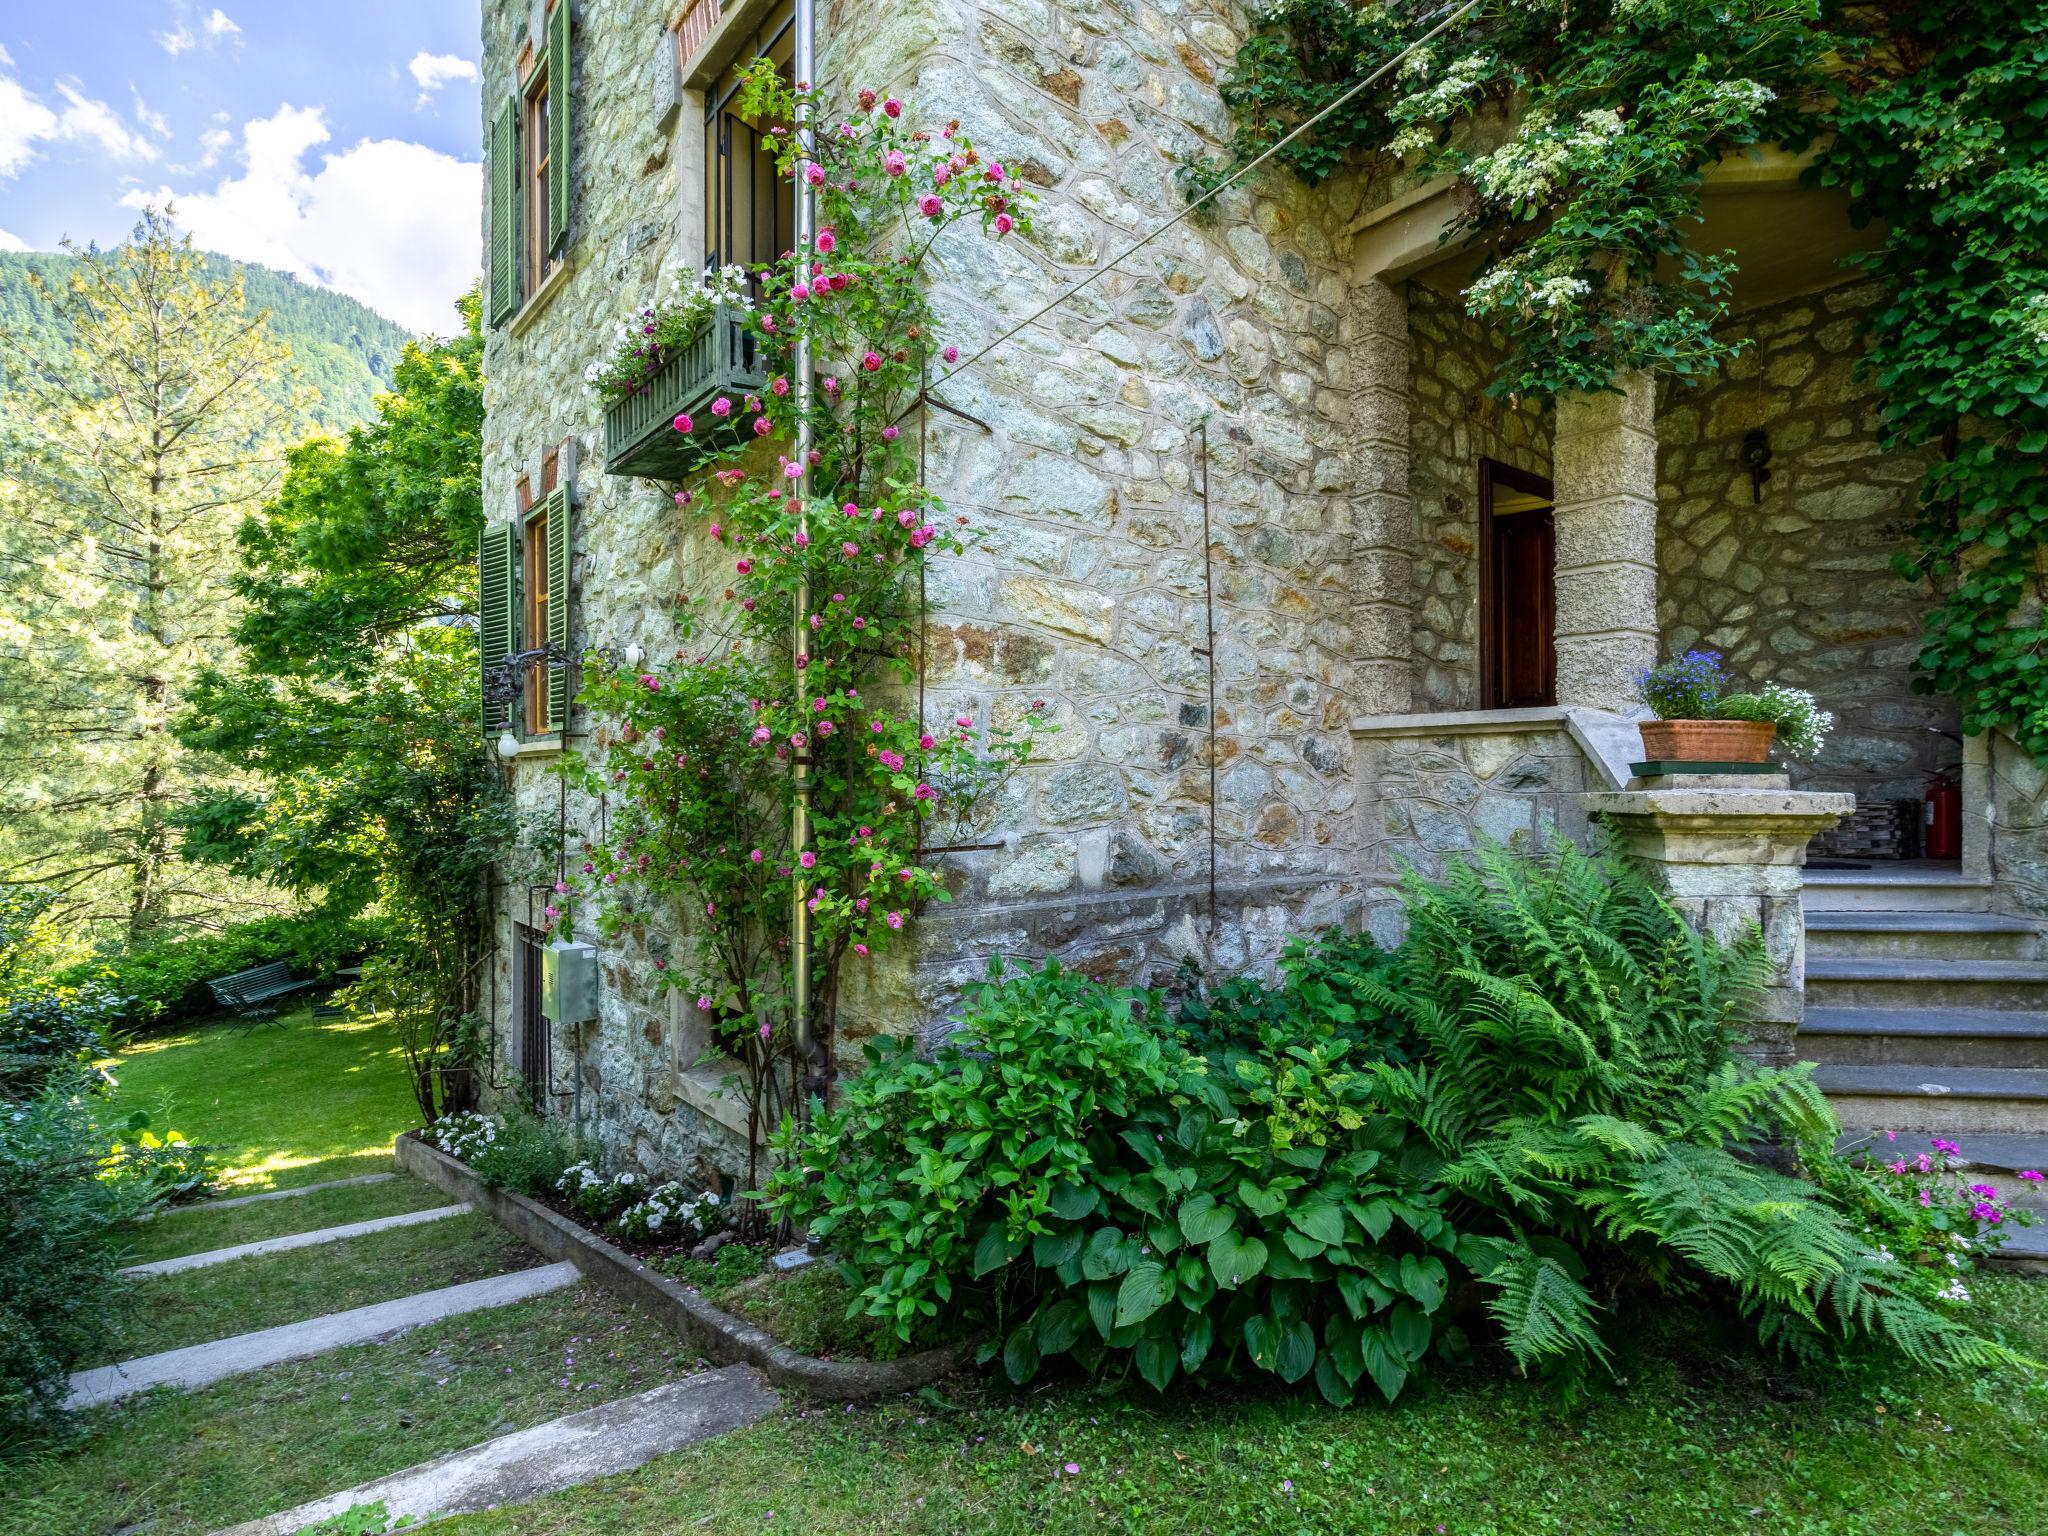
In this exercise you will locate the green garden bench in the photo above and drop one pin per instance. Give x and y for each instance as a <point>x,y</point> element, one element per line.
<point>254,993</point>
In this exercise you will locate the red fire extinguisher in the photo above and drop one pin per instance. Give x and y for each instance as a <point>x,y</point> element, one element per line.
<point>1941,824</point>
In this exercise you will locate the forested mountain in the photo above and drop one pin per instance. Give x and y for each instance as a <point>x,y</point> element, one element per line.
<point>342,348</point>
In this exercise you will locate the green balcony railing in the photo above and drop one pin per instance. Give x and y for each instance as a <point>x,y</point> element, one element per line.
<point>640,437</point>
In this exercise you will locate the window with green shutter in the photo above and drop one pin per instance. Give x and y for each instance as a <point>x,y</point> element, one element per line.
<point>558,125</point>
<point>557,556</point>
<point>497,582</point>
<point>503,174</point>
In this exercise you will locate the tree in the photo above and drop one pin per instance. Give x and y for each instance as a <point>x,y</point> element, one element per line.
<point>351,711</point>
<point>130,459</point>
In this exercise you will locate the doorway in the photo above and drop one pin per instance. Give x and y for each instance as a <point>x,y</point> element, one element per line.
<point>1517,589</point>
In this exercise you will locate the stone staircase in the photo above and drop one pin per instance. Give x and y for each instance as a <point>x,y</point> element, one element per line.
<point>1927,1013</point>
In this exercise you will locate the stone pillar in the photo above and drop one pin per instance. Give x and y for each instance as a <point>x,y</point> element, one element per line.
<point>1729,858</point>
<point>1604,483</point>
<point>1382,517</point>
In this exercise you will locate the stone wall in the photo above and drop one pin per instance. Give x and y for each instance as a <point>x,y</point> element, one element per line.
<point>1433,791</point>
<point>1797,588</point>
<point>1087,583</point>
<point>1453,424</point>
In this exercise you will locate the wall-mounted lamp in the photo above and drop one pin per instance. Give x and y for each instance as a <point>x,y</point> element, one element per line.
<point>633,656</point>
<point>1755,457</point>
<point>508,746</point>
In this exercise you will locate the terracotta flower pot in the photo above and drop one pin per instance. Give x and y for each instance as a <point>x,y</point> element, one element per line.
<point>1706,741</point>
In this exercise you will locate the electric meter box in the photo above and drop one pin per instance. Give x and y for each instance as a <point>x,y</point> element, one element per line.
<point>568,982</point>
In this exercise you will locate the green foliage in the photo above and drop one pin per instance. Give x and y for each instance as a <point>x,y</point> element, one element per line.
<point>58,1266</point>
<point>358,1520</point>
<point>157,985</point>
<point>1580,135</point>
<point>527,1154</point>
<point>341,348</point>
<point>1573,1070</point>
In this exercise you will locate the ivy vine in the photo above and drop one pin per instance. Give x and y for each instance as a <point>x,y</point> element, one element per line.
<point>1580,134</point>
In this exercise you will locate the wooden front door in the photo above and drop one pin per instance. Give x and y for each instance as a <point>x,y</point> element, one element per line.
<point>1517,589</point>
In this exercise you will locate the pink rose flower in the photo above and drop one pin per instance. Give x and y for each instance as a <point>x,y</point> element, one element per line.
<point>894,919</point>
<point>861,950</point>
<point>929,205</point>
<point>827,242</point>
<point>871,361</point>
<point>721,407</point>
<point>799,293</point>
<point>808,859</point>
<point>894,163</point>
<point>683,423</point>
<point>951,354</point>
<point>849,550</point>
<point>926,743</point>
<point>779,387</point>
<point>994,173</point>
<point>760,426</point>
<point>814,173</point>
<point>892,107</point>
<point>1004,224</point>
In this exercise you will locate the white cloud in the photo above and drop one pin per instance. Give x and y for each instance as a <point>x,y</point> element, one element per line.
<point>23,120</point>
<point>388,222</point>
<point>177,41</point>
<point>26,121</point>
<point>155,122</point>
<point>218,25</point>
<point>11,242</point>
<point>214,141</point>
<point>85,118</point>
<point>431,71</point>
<point>6,58</point>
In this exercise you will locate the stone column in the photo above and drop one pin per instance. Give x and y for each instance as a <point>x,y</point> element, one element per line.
<point>1729,858</point>
<point>1604,483</point>
<point>1382,517</point>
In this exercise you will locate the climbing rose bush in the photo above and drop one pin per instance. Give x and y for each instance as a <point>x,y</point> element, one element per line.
<point>698,748</point>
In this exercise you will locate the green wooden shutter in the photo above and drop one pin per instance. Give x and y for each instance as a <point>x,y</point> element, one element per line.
<point>557,555</point>
<point>497,566</point>
<point>559,176</point>
<point>502,171</point>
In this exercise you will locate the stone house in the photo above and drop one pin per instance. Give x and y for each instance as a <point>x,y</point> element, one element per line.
<point>1305,600</point>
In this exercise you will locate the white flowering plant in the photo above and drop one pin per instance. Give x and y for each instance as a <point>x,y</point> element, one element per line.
<point>671,1214</point>
<point>463,1136</point>
<point>592,1194</point>
<point>641,344</point>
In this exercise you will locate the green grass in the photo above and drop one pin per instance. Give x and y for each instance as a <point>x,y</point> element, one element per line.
<point>1695,1435</point>
<point>177,1464</point>
<point>293,1103</point>
<point>170,1311</point>
<point>196,1229</point>
<point>806,1309</point>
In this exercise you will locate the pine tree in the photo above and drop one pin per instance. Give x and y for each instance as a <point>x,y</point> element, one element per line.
<point>126,466</point>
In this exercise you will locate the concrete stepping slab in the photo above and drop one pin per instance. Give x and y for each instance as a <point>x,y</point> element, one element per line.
<point>564,1453</point>
<point>267,1195</point>
<point>199,1365</point>
<point>295,1240</point>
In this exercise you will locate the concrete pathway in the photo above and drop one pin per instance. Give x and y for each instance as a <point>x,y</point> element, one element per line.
<point>268,1194</point>
<point>598,1442</point>
<point>201,1364</point>
<point>294,1240</point>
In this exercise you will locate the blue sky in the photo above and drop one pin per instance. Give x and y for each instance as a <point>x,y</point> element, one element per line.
<point>336,139</point>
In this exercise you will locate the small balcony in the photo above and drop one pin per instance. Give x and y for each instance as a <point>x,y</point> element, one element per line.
<point>725,358</point>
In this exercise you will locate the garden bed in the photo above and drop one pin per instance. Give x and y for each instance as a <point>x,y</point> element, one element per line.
<point>718,1334</point>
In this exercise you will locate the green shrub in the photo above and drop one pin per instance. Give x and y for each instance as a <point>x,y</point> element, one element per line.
<point>1136,1204</point>
<point>58,1265</point>
<point>1572,1066</point>
<point>1802,724</point>
<point>526,1154</point>
<point>164,984</point>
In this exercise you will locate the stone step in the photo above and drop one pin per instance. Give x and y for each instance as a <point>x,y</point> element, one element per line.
<point>1943,1037</point>
<point>1834,981</point>
<point>267,1196</point>
<point>1902,888</point>
<point>200,1365</point>
<point>1953,1102</point>
<point>2024,1250</point>
<point>563,1453</point>
<point>1939,936</point>
<point>285,1244</point>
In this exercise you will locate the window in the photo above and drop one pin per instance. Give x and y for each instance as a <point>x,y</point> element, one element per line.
<point>533,583</point>
<point>528,170</point>
<point>749,211</point>
<point>523,579</point>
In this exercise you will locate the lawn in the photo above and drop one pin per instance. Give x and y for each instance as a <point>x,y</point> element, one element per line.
<point>181,1465</point>
<point>1694,1434</point>
<point>297,1102</point>
<point>184,1229</point>
<point>200,1305</point>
